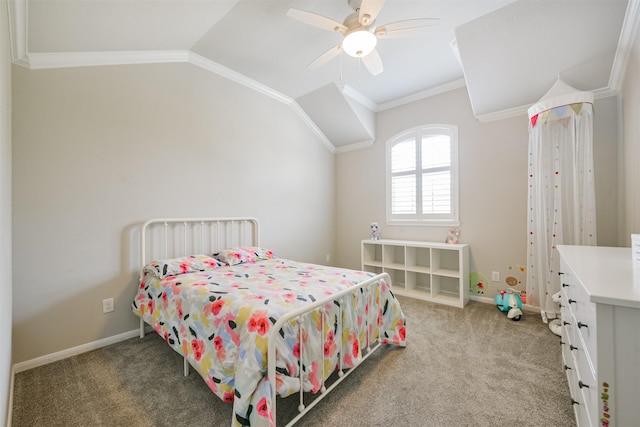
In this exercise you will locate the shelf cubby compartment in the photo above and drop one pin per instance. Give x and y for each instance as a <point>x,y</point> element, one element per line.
<point>445,289</point>
<point>445,262</point>
<point>398,279</point>
<point>418,282</point>
<point>393,256</point>
<point>418,259</point>
<point>372,255</point>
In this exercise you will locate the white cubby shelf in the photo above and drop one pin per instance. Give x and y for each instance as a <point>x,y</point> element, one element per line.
<point>431,271</point>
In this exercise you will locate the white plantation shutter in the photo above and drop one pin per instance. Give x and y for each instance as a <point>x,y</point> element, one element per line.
<point>403,181</point>
<point>421,176</point>
<point>436,192</point>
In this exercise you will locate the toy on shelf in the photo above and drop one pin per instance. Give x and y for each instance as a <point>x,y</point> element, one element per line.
<point>509,301</point>
<point>375,231</point>
<point>453,235</point>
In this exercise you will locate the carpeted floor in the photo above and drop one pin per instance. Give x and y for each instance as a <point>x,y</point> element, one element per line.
<point>462,367</point>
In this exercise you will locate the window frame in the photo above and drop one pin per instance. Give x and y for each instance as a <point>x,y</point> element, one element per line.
<point>420,218</point>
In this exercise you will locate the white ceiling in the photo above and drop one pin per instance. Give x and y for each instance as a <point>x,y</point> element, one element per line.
<point>511,52</point>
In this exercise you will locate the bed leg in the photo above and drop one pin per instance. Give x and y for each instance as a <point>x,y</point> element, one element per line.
<point>141,328</point>
<point>185,366</point>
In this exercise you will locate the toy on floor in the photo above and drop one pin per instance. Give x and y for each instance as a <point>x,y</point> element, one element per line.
<point>510,302</point>
<point>555,325</point>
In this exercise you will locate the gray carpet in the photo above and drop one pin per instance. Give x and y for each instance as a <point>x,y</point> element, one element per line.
<point>462,367</point>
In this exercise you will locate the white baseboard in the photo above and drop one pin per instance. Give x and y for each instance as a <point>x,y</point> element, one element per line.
<point>10,406</point>
<point>485,300</point>
<point>53,357</point>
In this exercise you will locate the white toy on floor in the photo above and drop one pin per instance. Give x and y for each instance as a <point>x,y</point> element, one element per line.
<point>556,324</point>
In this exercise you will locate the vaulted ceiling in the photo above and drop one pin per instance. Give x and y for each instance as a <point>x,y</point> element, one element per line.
<point>507,53</point>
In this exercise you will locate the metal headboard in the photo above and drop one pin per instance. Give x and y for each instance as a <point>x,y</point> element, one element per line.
<point>164,238</point>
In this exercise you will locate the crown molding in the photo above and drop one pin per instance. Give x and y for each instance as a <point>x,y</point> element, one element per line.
<point>228,73</point>
<point>601,93</point>
<point>455,84</point>
<point>357,96</point>
<point>503,114</point>
<point>354,146</point>
<point>625,42</point>
<point>17,11</point>
<point>40,61</point>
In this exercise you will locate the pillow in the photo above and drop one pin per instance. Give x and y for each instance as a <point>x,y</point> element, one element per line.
<point>243,254</point>
<point>175,266</point>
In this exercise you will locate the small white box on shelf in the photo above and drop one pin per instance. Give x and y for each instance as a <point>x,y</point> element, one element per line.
<point>635,248</point>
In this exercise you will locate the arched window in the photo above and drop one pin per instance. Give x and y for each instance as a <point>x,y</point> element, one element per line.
<point>422,176</point>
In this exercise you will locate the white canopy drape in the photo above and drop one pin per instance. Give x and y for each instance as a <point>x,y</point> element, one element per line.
<point>561,205</point>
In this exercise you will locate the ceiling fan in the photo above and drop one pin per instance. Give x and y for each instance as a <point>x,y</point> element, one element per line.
<point>360,33</point>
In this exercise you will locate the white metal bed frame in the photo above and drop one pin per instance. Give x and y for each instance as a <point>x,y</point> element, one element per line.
<point>165,238</point>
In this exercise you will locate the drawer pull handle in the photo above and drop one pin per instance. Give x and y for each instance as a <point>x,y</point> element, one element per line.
<point>574,402</point>
<point>581,325</point>
<point>566,323</point>
<point>566,368</point>
<point>581,384</point>
<point>565,285</point>
<point>572,301</point>
<point>562,342</point>
<point>572,347</point>
<point>560,273</point>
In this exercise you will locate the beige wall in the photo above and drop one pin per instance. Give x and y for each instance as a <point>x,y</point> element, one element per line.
<point>97,151</point>
<point>606,150</point>
<point>5,214</point>
<point>493,185</point>
<point>630,94</point>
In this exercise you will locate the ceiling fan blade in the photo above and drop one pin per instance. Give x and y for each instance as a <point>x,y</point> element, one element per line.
<point>369,10</point>
<point>408,28</point>
<point>316,20</point>
<point>325,57</point>
<point>373,62</point>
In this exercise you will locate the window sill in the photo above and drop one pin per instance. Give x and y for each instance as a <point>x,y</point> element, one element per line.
<point>426,223</point>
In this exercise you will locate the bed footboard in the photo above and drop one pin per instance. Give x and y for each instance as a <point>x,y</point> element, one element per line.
<point>369,288</point>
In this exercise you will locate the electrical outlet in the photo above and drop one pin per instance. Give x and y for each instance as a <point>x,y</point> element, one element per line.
<point>107,305</point>
<point>327,258</point>
<point>495,276</point>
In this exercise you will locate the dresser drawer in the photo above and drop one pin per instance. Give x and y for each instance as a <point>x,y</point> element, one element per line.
<point>585,326</point>
<point>569,367</point>
<point>566,280</point>
<point>581,386</point>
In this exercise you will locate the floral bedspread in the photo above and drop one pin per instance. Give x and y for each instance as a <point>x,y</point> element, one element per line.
<point>219,315</point>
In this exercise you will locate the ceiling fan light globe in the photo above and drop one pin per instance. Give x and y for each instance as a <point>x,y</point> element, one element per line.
<point>359,43</point>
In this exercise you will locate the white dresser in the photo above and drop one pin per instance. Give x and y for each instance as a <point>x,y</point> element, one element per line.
<point>601,334</point>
